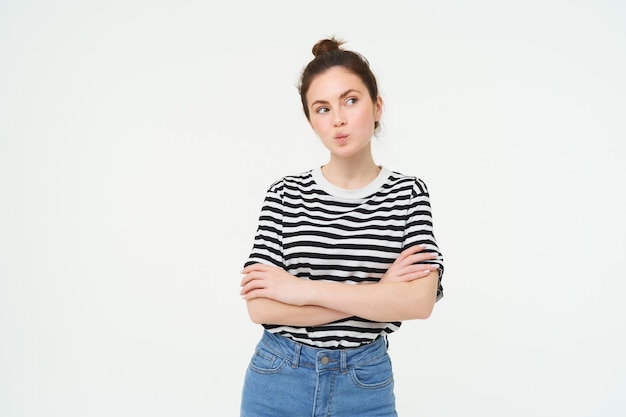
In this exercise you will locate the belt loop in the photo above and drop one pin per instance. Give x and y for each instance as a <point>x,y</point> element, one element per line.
<point>296,355</point>
<point>344,362</point>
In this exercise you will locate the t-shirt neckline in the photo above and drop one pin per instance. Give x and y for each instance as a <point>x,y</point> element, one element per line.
<point>356,193</point>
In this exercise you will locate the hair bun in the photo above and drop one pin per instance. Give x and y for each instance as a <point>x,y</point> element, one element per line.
<point>327,45</point>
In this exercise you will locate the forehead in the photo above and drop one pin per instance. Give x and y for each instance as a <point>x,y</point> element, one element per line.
<point>332,83</point>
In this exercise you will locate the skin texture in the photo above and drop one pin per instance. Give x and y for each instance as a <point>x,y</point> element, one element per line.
<point>343,116</point>
<point>406,291</point>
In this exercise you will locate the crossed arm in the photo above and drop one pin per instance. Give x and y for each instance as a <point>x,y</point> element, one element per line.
<point>407,291</point>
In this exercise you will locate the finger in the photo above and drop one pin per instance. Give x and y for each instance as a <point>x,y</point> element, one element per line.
<point>413,249</point>
<point>419,269</point>
<point>252,276</point>
<point>246,278</point>
<point>416,268</point>
<point>424,267</point>
<point>254,267</point>
<point>416,274</point>
<point>421,257</point>
<point>252,294</point>
<point>414,259</point>
<point>252,285</point>
<point>410,251</point>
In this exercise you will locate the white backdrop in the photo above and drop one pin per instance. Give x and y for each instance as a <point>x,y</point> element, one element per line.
<point>137,139</point>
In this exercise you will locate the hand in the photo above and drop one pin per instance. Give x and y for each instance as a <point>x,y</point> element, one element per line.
<point>265,281</point>
<point>405,268</point>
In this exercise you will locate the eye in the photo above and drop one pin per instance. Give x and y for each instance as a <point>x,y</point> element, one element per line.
<point>351,101</point>
<point>322,110</point>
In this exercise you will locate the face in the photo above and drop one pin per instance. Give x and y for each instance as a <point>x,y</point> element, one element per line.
<point>342,113</point>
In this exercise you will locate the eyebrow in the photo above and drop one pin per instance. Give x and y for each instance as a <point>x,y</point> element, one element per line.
<point>341,96</point>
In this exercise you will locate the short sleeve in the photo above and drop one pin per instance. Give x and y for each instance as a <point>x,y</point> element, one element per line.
<point>419,227</point>
<point>267,248</point>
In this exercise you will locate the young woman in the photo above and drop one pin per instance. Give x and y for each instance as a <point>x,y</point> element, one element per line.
<point>343,254</point>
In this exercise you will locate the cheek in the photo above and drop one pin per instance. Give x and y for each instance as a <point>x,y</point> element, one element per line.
<point>366,119</point>
<point>317,126</point>
<point>312,123</point>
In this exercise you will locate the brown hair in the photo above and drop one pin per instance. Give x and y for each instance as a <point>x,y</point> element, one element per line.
<point>328,54</point>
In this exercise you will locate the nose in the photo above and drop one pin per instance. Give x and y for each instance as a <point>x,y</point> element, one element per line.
<point>340,118</point>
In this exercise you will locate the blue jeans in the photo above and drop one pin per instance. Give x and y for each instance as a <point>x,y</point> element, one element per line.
<point>289,379</point>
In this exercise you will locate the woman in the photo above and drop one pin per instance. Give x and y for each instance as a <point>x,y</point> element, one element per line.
<point>343,253</point>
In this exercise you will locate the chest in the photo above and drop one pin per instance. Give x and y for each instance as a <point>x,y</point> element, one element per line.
<point>354,241</point>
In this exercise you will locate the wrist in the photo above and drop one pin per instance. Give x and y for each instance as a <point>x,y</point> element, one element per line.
<point>310,292</point>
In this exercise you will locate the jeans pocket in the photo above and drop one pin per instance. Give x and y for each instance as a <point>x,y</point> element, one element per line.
<point>266,362</point>
<point>373,375</point>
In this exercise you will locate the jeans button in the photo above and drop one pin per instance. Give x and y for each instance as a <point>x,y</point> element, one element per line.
<point>324,360</point>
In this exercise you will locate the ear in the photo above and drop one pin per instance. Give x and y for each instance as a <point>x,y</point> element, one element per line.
<point>378,108</point>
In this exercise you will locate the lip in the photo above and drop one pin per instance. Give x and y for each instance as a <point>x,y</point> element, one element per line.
<point>341,136</point>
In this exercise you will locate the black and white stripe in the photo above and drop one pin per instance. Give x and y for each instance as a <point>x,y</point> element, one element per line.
<point>317,231</point>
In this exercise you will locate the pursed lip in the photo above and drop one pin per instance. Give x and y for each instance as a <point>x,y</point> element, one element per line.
<point>340,136</point>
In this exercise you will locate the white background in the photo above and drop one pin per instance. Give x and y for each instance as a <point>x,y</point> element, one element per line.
<point>137,139</point>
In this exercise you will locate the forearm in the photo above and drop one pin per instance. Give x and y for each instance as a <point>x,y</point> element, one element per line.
<point>267,311</point>
<point>381,302</point>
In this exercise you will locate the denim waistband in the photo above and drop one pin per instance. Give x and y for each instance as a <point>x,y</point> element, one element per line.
<point>323,359</point>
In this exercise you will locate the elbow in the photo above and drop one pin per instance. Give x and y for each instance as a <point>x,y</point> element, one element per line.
<point>422,308</point>
<point>255,319</point>
<point>424,296</point>
<point>424,312</point>
<point>255,311</point>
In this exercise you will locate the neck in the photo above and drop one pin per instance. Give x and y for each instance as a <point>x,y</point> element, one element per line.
<point>350,174</point>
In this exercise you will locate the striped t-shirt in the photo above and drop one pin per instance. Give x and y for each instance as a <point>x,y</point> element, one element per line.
<point>315,230</point>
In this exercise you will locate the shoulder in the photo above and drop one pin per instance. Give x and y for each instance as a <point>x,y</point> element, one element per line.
<point>294,181</point>
<point>408,182</point>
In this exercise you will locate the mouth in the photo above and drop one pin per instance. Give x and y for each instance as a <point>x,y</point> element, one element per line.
<point>341,136</point>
